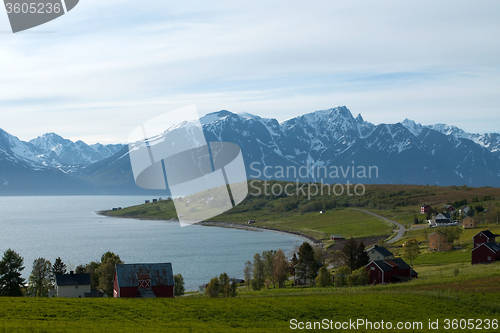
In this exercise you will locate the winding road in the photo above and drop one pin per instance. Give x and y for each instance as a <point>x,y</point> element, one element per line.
<point>401,230</point>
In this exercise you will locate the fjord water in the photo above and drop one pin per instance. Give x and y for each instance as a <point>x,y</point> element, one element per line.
<point>69,227</point>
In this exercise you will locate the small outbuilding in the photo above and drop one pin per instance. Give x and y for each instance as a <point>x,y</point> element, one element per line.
<point>72,285</point>
<point>336,237</point>
<point>424,209</point>
<point>143,280</point>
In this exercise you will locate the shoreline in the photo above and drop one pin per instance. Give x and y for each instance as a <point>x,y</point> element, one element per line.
<point>231,225</point>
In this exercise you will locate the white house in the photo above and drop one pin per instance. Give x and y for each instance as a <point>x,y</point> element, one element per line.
<point>379,253</point>
<point>72,285</point>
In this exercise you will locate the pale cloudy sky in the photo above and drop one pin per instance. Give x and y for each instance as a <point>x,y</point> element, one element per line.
<point>107,66</point>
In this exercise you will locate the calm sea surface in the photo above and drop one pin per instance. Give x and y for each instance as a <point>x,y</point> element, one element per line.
<point>68,227</point>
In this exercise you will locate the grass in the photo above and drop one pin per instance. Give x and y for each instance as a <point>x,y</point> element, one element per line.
<point>437,294</point>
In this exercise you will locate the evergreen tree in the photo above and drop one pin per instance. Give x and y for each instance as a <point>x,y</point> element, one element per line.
<point>59,267</point>
<point>179,285</point>
<point>363,258</point>
<point>11,281</point>
<point>307,266</point>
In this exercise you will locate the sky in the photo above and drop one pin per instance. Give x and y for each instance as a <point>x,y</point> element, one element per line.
<point>106,67</point>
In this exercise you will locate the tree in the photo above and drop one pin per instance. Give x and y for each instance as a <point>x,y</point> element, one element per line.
<point>40,280</point>
<point>324,278</point>
<point>359,277</point>
<point>307,267</point>
<point>341,275</point>
<point>452,233</point>
<point>362,259</point>
<point>11,281</point>
<point>268,257</point>
<point>411,251</point>
<point>59,267</point>
<point>90,268</point>
<point>179,285</point>
<point>225,286</point>
<point>247,271</point>
<point>213,288</point>
<point>258,272</point>
<point>293,265</point>
<point>280,272</point>
<point>106,272</point>
<point>234,288</point>
<point>354,254</point>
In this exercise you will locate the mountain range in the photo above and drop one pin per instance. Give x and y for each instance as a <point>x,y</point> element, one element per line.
<point>326,142</point>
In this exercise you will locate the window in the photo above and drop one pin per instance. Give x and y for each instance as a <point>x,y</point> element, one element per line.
<point>489,258</point>
<point>372,268</point>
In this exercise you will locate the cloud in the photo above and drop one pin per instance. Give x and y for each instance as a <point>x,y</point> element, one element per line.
<point>111,64</point>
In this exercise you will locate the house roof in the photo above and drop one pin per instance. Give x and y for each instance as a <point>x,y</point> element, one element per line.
<point>487,233</point>
<point>380,249</point>
<point>448,207</point>
<point>493,246</point>
<point>444,216</point>
<point>161,274</point>
<point>424,205</point>
<point>72,279</point>
<point>389,264</point>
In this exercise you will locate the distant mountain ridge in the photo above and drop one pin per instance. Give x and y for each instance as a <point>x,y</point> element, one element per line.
<point>404,153</point>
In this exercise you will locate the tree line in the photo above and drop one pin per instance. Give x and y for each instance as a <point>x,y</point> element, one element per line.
<point>43,275</point>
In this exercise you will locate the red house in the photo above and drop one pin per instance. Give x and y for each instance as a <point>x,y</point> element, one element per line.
<point>482,237</point>
<point>424,209</point>
<point>449,208</point>
<point>336,237</point>
<point>143,280</point>
<point>390,270</point>
<point>486,253</point>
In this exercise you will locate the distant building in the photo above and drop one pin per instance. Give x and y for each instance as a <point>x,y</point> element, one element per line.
<point>146,201</point>
<point>469,223</point>
<point>464,210</point>
<point>424,209</point>
<point>378,253</point>
<point>251,221</point>
<point>439,242</point>
<point>390,270</point>
<point>143,280</point>
<point>449,209</point>
<point>72,285</point>
<point>336,237</point>
<point>482,237</point>
<point>155,200</point>
<point>441,219</point>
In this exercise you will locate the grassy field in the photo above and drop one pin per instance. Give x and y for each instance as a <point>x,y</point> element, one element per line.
<point>437,295</point>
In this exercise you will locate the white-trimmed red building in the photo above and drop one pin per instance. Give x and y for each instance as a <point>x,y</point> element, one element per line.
<point>390,270</point>
<point>482,237</point>
<point>486,253</point>
<point>143,280</point>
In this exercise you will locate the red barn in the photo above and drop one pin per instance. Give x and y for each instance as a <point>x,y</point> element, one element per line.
<point>482,237</point>
<point>486,253</point>
<point>143,280</point>
<point>424,209</point>
<point>390,270</point>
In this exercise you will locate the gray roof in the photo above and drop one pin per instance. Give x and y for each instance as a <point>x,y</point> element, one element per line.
<point>72,279</point>
<point>494,246</point>
<point>386,266</point>
<point>161,274</point>
<point>382,250</point>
